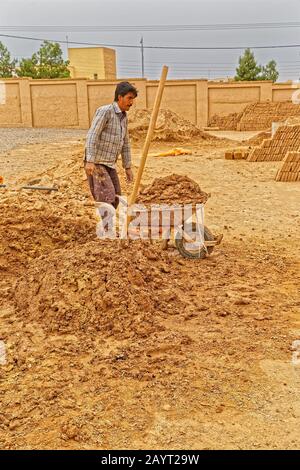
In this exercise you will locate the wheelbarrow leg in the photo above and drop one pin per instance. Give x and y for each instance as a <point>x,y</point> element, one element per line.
<point>165,239</point>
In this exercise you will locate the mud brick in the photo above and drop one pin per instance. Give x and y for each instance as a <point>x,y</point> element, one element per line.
<point>238,155</point>
<point>229,155</point>
<point>259,116</point>
<point>290,168</point>
<point>294,177</point>
<point>282,176</point>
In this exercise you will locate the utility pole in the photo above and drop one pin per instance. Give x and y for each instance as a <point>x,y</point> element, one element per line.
<point>67,38</point>
<point>142,52</point>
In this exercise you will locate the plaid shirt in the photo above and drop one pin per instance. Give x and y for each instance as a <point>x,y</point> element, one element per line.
<point>108,137</point>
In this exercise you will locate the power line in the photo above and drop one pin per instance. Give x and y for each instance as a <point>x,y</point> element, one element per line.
<point>69,42</point>
<point>198,70</point>
<point>129,62</point>
<point>156,27</point>
<point>153,47</point>
<point>135,62</point>
<point>196,66</point>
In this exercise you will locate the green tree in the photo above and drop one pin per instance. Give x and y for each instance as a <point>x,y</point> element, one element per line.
<point>28,67</point>
<point>248,68</point>
<point>270,72</point>
<point>48,62</point>
<point>7,65</point>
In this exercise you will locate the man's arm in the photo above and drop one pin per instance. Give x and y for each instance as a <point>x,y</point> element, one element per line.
<point>99,122</point>
<point>126,152</point>
<point>126,158</point>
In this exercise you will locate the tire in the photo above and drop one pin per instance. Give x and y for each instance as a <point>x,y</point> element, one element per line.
<point>196,254</point>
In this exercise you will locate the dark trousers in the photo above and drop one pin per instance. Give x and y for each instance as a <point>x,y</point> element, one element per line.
<point>105,185</point>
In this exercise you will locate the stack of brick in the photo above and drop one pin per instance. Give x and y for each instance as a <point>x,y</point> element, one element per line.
<point>257,116</point>
<point>237,154</point>
<point>292,121</point>
<point>226,123</point>
<point>286,139</point>
<point>258,138</point>
<point>290,169</point>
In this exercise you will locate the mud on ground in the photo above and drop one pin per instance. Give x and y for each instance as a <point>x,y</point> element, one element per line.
<point>131,347</point>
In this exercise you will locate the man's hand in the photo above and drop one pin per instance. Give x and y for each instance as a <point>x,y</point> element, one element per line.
<point>89,168</point>
<point>129,175</point>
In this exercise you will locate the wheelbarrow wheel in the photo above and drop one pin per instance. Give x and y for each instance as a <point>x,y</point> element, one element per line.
<point>196,252</point>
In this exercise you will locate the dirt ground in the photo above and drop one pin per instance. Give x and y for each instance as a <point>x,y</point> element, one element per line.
<point>111,347</point>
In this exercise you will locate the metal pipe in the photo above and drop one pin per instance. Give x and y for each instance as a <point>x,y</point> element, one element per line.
<point>40,188</point>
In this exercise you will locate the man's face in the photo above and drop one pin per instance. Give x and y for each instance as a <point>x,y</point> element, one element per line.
<point>125,102</point>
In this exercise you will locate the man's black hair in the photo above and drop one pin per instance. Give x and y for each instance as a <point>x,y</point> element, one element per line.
<point>123,88</point>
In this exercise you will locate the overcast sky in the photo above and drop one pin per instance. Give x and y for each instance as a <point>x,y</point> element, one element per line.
<point>183,63</point>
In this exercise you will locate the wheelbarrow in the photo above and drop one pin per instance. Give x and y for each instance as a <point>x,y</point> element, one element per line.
<point>182,224</point>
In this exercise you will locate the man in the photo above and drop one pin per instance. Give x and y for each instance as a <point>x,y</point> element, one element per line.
<point>106,140</point>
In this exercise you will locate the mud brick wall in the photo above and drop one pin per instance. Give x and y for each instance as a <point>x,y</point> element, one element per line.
<point>71,103</point>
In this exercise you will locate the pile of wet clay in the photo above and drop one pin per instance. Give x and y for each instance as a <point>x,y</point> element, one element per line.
<point>170,127</point>
<point>100,287</point>
<point>35,224</point>
<point>38,222</point>
<point>172,189</point>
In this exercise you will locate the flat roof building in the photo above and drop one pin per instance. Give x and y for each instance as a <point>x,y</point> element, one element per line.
<point>92,62</point>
